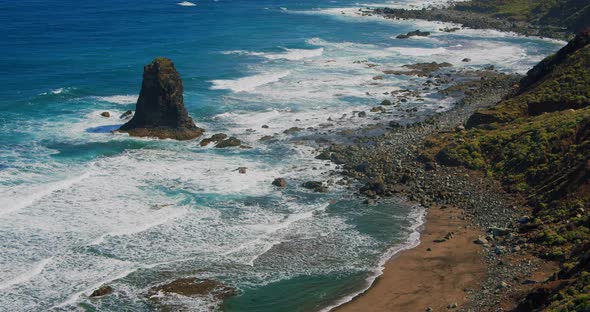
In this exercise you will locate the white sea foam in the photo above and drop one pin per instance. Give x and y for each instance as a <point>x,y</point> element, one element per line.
<point>17,199</point>
<point>186,4</point>
<point>33,271</point>
<point>419,217</point>
<point>249,83</point>
<point>118,99</point>
<point>288,54</point>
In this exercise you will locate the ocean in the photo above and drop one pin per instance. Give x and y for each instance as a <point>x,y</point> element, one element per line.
<point>81,207</point>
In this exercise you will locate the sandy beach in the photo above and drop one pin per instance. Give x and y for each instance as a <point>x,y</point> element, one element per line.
<point>433,274</point>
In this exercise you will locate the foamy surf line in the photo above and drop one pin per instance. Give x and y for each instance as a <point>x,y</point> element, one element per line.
<point>15,204</point>
<point>249,83</point>
<point>118,99</point>
<point>32,272</point>
<point>288,54</point>
<point>413,241</point>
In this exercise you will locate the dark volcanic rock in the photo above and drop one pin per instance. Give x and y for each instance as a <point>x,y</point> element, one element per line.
<point>102,291</point>
<point>160,108</point>
<point>231,142</point>
<point>105,114</point>
<point>279,182</point>
<point>126,115</point>
<point>316,186</point>
<point>218,137</point>
<point>414,33</point>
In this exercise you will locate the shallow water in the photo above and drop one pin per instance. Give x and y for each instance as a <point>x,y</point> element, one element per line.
<point>80,207</point>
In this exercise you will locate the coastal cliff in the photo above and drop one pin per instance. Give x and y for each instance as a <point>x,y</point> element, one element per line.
<point>537,144</point>
<point>160,110</point>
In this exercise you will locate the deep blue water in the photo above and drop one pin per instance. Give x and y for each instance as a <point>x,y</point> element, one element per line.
<point>81,207</point>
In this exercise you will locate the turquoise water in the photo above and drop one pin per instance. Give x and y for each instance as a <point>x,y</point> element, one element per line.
<point>81,207</point>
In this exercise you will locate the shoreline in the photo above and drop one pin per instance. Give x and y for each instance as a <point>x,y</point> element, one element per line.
<point>451,266</point>
<point>472,202</point>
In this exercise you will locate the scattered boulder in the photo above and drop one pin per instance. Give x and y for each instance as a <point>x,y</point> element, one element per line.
<point>449,30</point>
<point>466,60</point>
<point>293,130</point>
<point>386,103</point>
<point>265,127</point>
<point>105,114</point>
<point>242,170</point>
<point>481,240</point>
<point>102,291</point>
<point>279,182</point>
<point>362,114</point>
<point>230,142</point>
<point>160,110</point>
<point>413,34</point>
<point>214,138</point>
<point>325,155</point>
<point>315,186</point>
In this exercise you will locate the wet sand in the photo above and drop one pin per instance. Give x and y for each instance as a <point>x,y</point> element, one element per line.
<point>418,278</point>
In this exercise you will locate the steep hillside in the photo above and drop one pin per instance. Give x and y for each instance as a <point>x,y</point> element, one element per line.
<point>537,143</point>
<point>572,14</point>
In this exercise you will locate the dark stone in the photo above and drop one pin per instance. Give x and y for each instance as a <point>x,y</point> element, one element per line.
<point>126,115</point>
<point>160,108</point>
<point>362,114</point>
<point>102,291</point>
<point>315,186</point>
<point>105,114</point>
<point>214,138</point>
<point>279,182</point>
<point>325,155</point>
<point>231,142</point>
<point>242,170</point>
<point>293,130</point>
<point>386,103</point>
<point>414,33</point>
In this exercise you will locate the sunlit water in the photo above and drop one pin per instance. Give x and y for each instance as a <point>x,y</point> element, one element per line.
<point>81,207</point>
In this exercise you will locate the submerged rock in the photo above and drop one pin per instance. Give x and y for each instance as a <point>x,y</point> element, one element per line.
<point>315,186</point>
<point>102,291</point>
<point>126,115</point>
<point>414,33</point>
<point>191,287</point>
<point>279,182</point>
<point>218,137</point>
<point>105,114</point>
<point>231,142</point>
<point>160,110</point>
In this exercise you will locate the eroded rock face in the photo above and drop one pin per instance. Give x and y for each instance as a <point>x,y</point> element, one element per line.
<point>160,108</point>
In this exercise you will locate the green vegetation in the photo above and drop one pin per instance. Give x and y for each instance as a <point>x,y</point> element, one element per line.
<point>572,14</point>
<point>538,144</point>
<point>564,87</point>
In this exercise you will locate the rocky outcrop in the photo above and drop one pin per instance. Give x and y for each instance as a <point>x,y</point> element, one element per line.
<point>102,291</point>
<point>160,108</point>
<point>230,142</point>
<point>191,287</point>
<point>415,33</point>
<point>279,182</point>
<point>546,66</point>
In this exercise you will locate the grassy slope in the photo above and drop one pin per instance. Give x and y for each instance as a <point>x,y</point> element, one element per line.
<point>572,14</point>
<point>538,143</point>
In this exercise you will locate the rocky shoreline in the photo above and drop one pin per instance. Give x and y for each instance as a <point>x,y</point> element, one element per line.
<point>473,20</point>
<point>390,164</point>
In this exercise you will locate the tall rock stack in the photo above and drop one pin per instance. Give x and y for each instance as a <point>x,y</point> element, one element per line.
<point>160,108</point>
